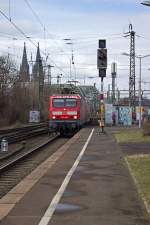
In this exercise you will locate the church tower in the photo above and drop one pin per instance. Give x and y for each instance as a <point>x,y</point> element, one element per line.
<point>38,74</point>
<point>24,67</point>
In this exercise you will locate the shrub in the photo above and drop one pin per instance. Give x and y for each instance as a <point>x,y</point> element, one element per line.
<point>146,127</point>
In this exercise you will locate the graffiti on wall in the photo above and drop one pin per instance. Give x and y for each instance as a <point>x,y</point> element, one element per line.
<point>138,112</point>
<point>125,115</point>
<point>108,113</point>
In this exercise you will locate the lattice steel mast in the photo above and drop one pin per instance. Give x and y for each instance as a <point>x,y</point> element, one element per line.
<point>132,93</point>
<point>132,67</point>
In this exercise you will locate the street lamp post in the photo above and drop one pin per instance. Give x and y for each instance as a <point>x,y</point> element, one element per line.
<point>140,97</point>
<point>69,42</point>
<point>50,74</point>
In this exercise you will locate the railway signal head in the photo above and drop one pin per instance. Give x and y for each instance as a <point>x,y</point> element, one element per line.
<point>102,72</point>
<point>102,58</point>
<point>102,43</point>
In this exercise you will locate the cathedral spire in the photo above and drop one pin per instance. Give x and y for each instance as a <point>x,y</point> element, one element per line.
<point>38,55</point>
<point>38,67</point>
<point>24,67</point>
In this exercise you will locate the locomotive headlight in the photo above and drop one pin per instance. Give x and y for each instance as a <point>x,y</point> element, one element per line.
<point>53,117</point>
<point>57,113</point>
<point>72,113</point>
<point>75,117</point>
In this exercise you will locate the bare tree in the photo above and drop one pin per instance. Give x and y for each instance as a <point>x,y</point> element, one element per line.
<point>8,72</point>
<point>8,76</point>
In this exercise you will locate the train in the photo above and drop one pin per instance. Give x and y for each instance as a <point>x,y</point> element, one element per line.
<point>68,113</point>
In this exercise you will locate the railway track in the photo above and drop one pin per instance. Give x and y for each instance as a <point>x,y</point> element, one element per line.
<point>27,128</point>
<point>19,134</point>
<point>13,169</point>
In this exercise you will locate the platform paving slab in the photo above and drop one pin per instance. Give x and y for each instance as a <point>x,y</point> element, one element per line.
<point>100,192</point>
<point>34,203</point>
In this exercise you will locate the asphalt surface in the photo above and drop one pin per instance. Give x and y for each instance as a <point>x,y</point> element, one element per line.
<point>100,192</point>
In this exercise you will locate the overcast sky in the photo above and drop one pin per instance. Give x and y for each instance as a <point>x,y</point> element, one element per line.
<point>84,21</point>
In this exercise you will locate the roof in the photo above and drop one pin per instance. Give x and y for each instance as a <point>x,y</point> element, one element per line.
<point>66,96</point>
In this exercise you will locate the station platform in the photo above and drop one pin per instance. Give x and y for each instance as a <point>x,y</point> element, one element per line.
<point>86,182</point>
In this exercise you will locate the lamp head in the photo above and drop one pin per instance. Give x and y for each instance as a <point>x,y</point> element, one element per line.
<point>147,3</point>
<point>125,53</point>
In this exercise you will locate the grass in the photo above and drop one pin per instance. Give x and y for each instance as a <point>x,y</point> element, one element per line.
<point>140,167</point>
<point>131,136</point>
<point>139,164</point>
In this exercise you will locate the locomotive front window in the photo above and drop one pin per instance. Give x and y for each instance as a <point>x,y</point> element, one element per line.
<point>71,102</point>
<point>58,102</point>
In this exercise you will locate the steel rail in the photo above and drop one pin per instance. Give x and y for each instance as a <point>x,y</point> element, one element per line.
<point>24,133</point>
<point>25,128</point>
<point>19,158</point>
<point>23,136</point>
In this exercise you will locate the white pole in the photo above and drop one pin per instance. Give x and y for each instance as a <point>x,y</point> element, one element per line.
<point>140,95</point>
<point>70,71</point>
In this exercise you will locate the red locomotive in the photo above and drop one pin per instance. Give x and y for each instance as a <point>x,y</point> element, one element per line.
<point>67,113</point>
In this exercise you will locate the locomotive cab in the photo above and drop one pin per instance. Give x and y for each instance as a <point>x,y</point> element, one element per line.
<point>65,113</point>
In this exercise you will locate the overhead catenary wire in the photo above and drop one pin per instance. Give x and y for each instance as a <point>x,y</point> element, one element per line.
<point>45,31</point>
<point>140,36</point>
<point>42,25</point>
<point>29,39</point>
<point>34,13</point>
<point>51,36</point>
<point>9,11</point>
<point>17,27</point>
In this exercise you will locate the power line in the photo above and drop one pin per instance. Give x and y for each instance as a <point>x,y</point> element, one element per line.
<point>29,39</point>
<point>42,25</point>
<point>9,11</point>
<point>45,30</point>
<point>18,28</point>
<point>35,14</point>
<point>38,19</point>
<point>140,36</point>
<point>90,36</point>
